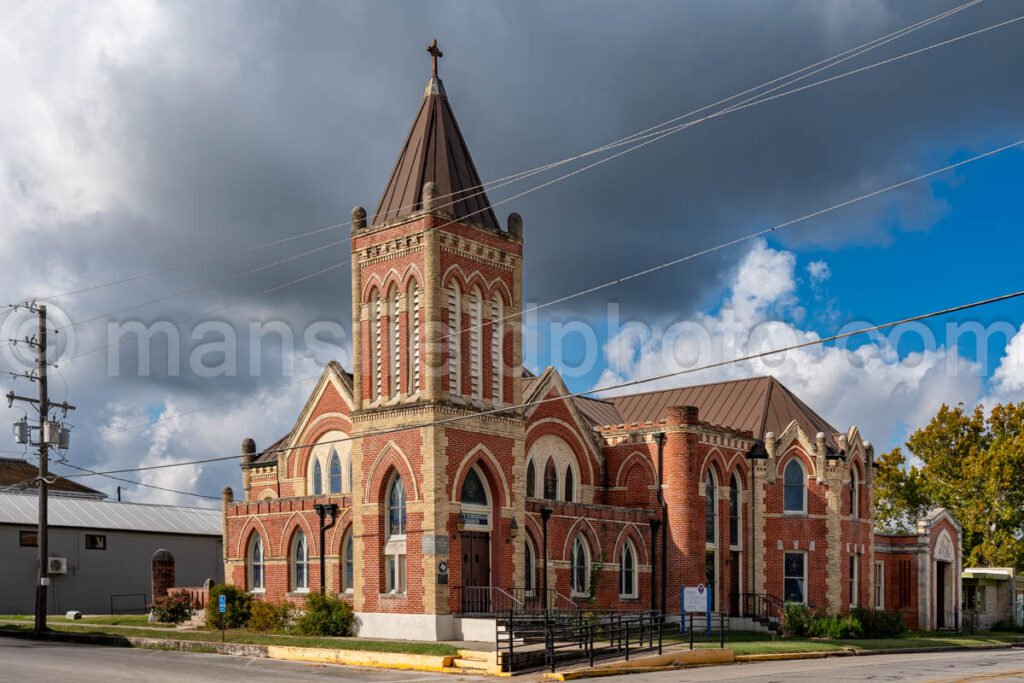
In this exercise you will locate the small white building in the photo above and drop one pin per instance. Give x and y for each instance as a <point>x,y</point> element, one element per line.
<point>101,551</point>
<point>990,593</point>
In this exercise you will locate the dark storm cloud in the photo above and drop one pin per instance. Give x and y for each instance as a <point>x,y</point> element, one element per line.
<point>244,123</point>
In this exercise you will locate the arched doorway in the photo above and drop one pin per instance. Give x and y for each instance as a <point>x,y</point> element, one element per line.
<point>475,520</point>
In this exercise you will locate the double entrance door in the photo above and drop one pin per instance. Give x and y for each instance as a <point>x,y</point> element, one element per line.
<point>476,572</point>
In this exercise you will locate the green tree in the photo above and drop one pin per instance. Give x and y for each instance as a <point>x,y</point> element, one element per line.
<point>971,464</point>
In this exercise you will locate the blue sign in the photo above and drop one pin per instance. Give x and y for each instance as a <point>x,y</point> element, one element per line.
<point>222,603</point>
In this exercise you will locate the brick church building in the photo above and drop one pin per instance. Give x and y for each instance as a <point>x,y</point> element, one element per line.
<point>457,477</point>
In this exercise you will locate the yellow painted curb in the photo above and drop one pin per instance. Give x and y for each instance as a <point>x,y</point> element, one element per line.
<point>783,656</point>
<point>662,662</point>
<point>388,660</point>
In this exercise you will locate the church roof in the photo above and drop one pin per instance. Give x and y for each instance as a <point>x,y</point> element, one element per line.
<point>757,405</point>
<point>435,151</point>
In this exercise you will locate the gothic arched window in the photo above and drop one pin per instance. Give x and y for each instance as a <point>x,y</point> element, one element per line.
<point>300,562</point>
<point>256,563</point>
<point>570,485</point>
<point>394,548</point>
<point>551,480</point>
<point>854,494</point>
<point>473,490</point>
<point>794,487</point>
<point>627,571</point>
<point>335,472</point>
<point>348,560</point>
<point>531,480</point>
<point>412,306</point>
<point>318,478</point>
<point>710,510</point>
<point>394,344</point>
<point>476,365</point>
<point>579,567</point>
<point>497,351</point>
<point>454,335</point>
<point>376,345</point>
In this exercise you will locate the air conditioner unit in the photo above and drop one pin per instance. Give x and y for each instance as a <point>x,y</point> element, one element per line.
<point>57,565</point>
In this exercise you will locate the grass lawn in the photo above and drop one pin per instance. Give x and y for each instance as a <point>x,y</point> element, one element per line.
<point>251,638</point>
<point>118,620</point>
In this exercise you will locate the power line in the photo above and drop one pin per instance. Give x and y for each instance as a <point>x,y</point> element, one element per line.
<point>500,182</point>
<point>604,389</point>
<point>219,404</point>
<point>207,285</point>
<point>745,238</point>
<point>750,102</point>
<point>136,483</point>
<point>122,340</point>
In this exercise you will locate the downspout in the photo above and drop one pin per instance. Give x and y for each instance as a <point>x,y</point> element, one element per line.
<point>664,521</point>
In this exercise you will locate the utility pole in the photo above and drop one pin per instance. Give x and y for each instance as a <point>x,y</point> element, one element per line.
<point>51,433</point>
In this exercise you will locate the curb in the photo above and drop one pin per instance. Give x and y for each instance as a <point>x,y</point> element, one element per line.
<point>663,662</point>
<point>851,652</point>
<point>361,658</point>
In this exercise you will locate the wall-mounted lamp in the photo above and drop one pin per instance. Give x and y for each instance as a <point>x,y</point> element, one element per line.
<point>513,528</point>
<point>460,523</point>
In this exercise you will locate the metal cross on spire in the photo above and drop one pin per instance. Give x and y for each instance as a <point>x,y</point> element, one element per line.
<point>435,54</point>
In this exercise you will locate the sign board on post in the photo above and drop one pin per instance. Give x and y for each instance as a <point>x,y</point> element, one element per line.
<point>222,607</point>
<point>693,599</point>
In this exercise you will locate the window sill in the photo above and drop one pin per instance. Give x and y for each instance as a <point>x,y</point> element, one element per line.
<point>257,591</point>
<point>629,598</point>
<point>794,513</point>
<point>393,596</point>
<point>300,593</point>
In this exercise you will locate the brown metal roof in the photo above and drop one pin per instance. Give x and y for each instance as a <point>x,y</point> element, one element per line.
<point>435,151</point>
<point>16,474</point>
<point>757,405</point>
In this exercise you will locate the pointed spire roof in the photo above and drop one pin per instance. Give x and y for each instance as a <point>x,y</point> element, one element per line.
<point>435,151</point>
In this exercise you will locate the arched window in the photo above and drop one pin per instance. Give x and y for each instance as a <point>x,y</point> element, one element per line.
<point>529,563</point>
<point>394,548</point>
<point>531,480</point>
<point>376,345</point>
<point>473,491</point>
<point>413,344</point>
<point>396,508</point>
<point>348,478</point>
<point>734,511</point>
<point>710,510</point>
<point>570,486</point>
<point>335,472</point>
<point>318,478</point>
<point>300,562</point>
<point>476,365</point>
<point>550,480</point>
<point>579,568</point>
<point>348,560</point>
<point>794,487</point>
<point>256,563</point>
<point>497,351</point>
<point>454,340</point>
<point>394,344</point>
<point>854,494</point>
<point>627,571</point>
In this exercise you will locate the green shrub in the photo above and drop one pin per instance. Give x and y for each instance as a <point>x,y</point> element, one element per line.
<point>880,623</point>
<point>269,616</point>
<point>172,609</point>
<point>795,620</point>
<point>1008,626</point>
<point>239,607</point>
<point>326,616</point>
<point>836,627</point>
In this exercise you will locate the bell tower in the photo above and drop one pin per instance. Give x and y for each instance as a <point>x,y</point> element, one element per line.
<point>436,301</point>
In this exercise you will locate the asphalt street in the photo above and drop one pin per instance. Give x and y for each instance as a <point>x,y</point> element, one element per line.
<point>28,661</point>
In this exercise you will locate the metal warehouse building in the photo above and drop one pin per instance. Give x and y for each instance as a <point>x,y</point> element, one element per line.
<point>101,551</point>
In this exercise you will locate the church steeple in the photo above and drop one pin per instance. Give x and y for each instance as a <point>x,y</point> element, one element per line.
<point>435,151</point>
